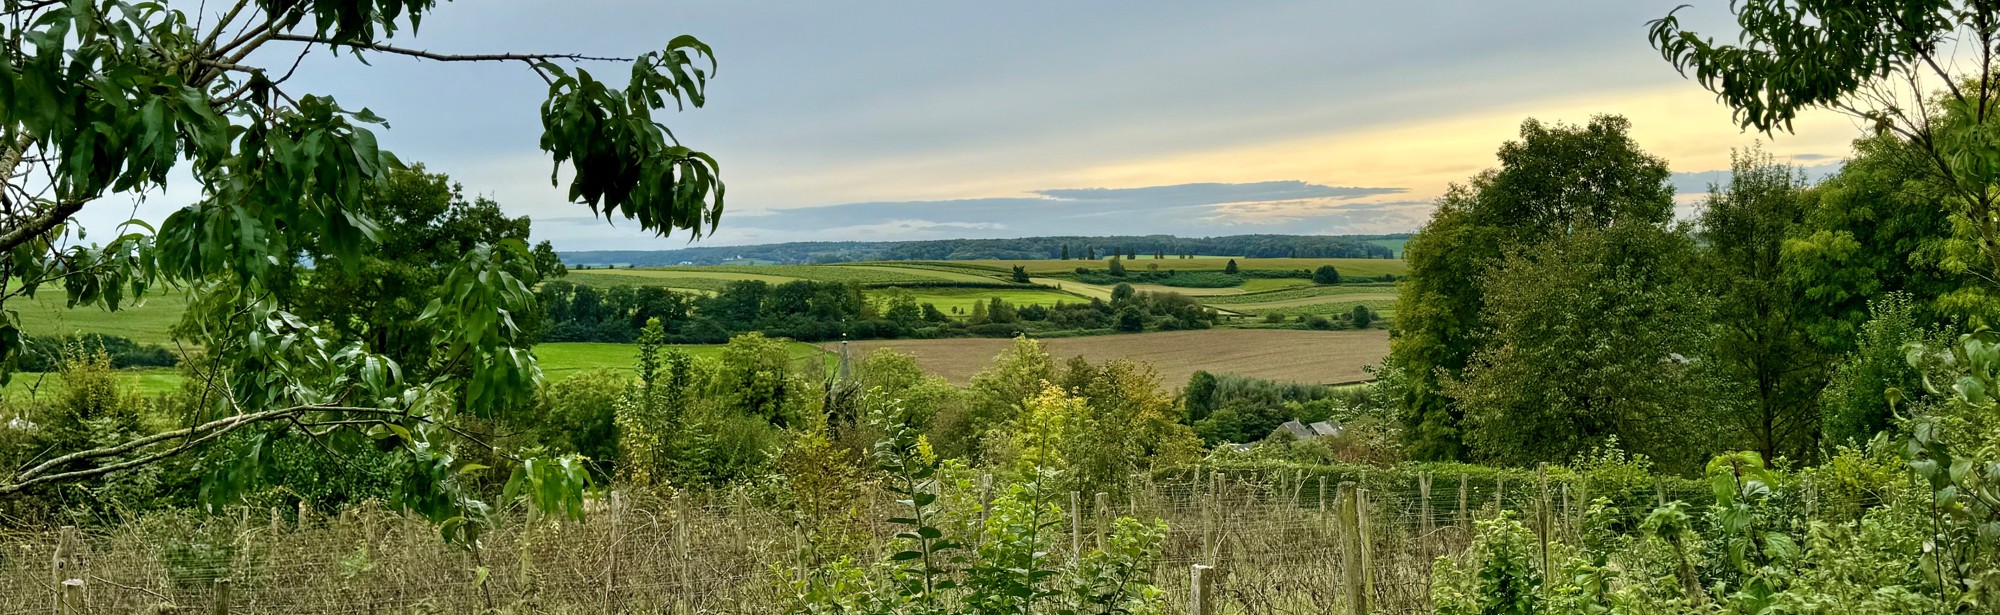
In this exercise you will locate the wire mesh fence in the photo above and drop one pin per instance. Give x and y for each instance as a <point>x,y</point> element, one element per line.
<point>1277,543</point>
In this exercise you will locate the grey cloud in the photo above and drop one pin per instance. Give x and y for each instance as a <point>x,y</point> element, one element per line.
<point>1190,209</point>
<point>1694,184</point>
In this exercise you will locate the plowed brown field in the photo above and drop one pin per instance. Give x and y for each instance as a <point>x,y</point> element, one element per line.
<point>1319,357</point>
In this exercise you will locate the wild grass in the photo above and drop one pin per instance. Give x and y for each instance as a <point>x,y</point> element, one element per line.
<point>1274,536</point>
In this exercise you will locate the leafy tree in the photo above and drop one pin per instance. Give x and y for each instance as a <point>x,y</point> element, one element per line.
<point>995,397</point>
<point>1362,316</point>
<point>1554,181</point>
<point>1326,274</point>
<point>1131,320</point>
<point>1878,226</point>
<point>1020,274</point>
<point>1595,335</point>
<point>1198,396</point>
<point>1116,267</point>
<point>101,98</point>
<point>1231,267</point>
<point>1065,252</point>
<point>1761,337</point>
<point>1894,65</point>
<point>1122,294</point>
<point>424,226</point>
<point>1855,407</point>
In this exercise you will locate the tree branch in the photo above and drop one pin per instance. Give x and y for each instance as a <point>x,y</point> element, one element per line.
<point>446,57</point>
<point>35,226</point>
<point>193,435</point>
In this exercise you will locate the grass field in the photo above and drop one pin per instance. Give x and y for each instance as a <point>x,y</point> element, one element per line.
<point>1347,266</point>
<point>1319,357</point>
<point>146,382</point>
<point>145,322</point>
<point>962,298</point>
<point>559,360</point>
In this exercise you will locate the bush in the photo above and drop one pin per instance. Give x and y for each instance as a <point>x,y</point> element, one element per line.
<point>1326,274</point>
<point>1362,316</point>
<point>47,353</point>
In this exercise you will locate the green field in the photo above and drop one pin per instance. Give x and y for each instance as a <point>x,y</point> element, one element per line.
<point>1347,266</point>
<point>962,298</point>
<point>558,360</point>
<point>146,382</point>
<point>146,322</point>
<point>561,360</point>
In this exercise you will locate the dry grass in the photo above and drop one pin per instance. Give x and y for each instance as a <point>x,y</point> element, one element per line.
<point>1318,357</point>
<point>1271,533</point>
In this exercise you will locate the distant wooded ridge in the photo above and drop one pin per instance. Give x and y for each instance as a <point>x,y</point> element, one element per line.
<point>1249,246</point>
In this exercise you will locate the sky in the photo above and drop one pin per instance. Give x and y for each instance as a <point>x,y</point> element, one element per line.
<point>882,120</point>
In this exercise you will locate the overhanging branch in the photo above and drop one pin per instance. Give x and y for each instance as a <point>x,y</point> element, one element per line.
<point>190,437</point>
<point>449,57</point>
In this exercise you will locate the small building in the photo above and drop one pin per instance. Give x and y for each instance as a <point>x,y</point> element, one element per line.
<point>1298,430</point>
<point>1326,429</point>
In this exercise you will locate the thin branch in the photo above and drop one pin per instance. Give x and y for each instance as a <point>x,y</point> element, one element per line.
<point>193,435</point>
<point>35,226</point>
<point>447,57</point>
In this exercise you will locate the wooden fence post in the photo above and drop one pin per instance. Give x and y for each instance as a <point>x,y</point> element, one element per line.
<point>1423,494</point>
<point>1499,494</point>
<point>1542,514</point>
<point>1463,523</point>
<point>1201,598</point>
<point>1075,526</point>
<point>1361,515</point>
<point>67,598</point>
<point>1660,490</point>
<point>611,598</point>
<point>1350,549</point>
<point>1103,519</point>
<point>1322,495</point>
<point>221,597</point>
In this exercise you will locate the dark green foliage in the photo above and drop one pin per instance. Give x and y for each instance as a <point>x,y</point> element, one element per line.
<point>1326,274</point>
<point>1361,316</point>
<point>1856,406</point>
<point>46,354</point>
<point>1020,275</point>
<point>1131,320</point>
<point>1230,268</point>
<point>1198,397</point>
<point>424,227</point>
<point>1762,339</point>
<point>1880,225</point>
<point>1553,181</point>
<point>1116,267</point>
<point>1596,335</point>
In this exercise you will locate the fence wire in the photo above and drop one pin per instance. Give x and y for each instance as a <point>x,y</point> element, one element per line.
<point>1277,542</point>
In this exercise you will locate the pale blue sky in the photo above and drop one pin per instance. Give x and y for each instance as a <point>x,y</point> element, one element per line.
<point>931,119</point>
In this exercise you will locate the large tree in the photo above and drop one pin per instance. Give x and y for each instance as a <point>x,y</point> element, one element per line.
<point>1553,181</point>
<point>1761,316</point>
<point>1921,71</point>
<point>424,223</point>
<point>103,100</point>
<point>1594,335</point>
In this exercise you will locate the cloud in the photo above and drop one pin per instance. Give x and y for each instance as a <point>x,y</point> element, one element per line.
<point>1694,185</point>
<point>1183,209</point>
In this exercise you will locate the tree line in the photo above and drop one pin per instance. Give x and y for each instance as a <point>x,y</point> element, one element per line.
<point>813,311</point>
<point>1025,248</point>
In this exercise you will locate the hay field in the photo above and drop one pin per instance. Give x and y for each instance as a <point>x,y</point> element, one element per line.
<point>1319,357</point>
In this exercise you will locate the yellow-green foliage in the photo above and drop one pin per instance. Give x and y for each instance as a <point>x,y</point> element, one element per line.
<point>994,398</point>
<point>1091,443</point>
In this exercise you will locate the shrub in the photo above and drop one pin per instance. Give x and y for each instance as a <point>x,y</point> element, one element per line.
<point>1326,274</point>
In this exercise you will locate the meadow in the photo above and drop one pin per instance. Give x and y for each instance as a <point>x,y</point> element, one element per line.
<point>1311,357</point>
